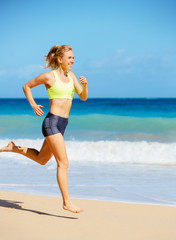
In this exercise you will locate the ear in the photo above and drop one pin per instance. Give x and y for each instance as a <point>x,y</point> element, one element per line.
<point>59,60</point>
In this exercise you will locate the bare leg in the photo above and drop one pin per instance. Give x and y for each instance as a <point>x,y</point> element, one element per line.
<point>50,145</point>
<point>62,164</point>
<point>41,157</point>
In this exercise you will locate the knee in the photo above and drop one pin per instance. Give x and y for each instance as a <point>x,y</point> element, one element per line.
<point>43,161</point>
<point>63,163</point>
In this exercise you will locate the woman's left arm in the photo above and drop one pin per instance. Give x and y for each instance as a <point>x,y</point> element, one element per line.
<point>82,91</point>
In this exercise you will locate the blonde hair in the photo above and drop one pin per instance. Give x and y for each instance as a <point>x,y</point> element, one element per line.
<point>55,52</point>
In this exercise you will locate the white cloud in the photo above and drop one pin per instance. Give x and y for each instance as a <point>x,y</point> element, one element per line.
<point>119,52</point>
<point>100,64</point>
<point>3,72</point>
<point>28,71</point>
<point>139,64</point>
<point>22,73</point>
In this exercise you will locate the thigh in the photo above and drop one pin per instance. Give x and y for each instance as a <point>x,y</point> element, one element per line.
<point>45,151</point>
<point>57,146</point>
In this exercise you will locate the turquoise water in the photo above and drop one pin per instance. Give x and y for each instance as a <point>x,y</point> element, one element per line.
<point>118,149</point>
<point>96,119</point>
<point>122,107</point>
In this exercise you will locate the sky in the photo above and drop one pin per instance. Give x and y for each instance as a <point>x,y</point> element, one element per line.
<point>125,48</point>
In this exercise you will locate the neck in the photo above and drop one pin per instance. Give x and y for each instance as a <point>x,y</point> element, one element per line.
<point>63,72</point>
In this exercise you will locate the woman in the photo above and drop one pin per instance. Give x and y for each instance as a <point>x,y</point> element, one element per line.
<point>60,85</point>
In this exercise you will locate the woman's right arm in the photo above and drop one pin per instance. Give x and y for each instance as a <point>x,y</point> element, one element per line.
<point>41,79</point>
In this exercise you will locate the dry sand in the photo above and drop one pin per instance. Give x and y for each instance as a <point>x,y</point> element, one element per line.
<point>32,217</point>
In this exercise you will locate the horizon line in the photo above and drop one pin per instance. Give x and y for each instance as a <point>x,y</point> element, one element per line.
<point>23,98</point>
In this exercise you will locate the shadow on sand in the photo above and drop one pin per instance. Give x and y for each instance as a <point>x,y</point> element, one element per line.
<point>15,205</point>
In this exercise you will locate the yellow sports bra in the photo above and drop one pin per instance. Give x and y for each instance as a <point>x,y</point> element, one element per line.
<point>61,89</point>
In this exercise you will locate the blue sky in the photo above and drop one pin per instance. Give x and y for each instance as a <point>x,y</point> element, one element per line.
<point>124,48</point>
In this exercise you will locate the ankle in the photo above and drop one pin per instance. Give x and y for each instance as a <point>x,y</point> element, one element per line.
<point>67,202</point>
<point>17,149</point>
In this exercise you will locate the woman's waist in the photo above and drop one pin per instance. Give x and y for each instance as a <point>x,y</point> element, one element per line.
<point>60,107</point>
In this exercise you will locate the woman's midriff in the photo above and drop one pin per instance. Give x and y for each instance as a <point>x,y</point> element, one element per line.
<point>60,107</point>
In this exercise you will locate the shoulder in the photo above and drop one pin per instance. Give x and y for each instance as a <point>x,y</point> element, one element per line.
<point>73,76</point>
<point>45,77</point>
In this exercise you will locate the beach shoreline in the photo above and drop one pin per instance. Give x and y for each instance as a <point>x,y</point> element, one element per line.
<point>41,194</point>
<point>35,217</point>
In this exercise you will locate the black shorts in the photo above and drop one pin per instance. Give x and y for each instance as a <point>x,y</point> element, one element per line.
<point>54,124</point>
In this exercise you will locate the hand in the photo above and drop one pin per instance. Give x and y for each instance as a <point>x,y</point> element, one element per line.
<point>37,110</point>
<point>83,81</point>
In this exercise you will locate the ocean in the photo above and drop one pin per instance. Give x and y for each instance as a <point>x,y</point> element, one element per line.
<point>118,150</point>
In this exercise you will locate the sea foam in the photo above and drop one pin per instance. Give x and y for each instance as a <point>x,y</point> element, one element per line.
<point>123,152</point>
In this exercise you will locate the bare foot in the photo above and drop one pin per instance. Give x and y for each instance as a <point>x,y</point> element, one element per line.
<point>72,208</point>
<point>8,148</point>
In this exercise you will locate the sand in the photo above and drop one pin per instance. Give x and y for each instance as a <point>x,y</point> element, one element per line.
<point>33,217</point>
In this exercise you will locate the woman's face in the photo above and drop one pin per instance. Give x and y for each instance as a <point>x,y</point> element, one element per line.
<point>67,60</point>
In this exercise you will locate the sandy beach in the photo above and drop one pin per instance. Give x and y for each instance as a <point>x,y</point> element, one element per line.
<point>33,217</point>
